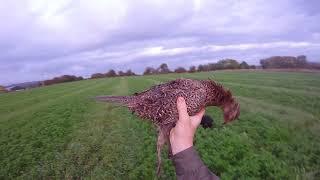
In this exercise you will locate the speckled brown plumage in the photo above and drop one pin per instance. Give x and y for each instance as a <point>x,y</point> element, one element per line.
<point>158,104</point>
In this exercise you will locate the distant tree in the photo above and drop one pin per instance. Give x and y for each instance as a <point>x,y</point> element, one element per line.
<point>284,62</point>
<point>180,70</point>
<point>252,67</point>
<point>149,70</point>
<point>302,58</point>
<point>265,63</point>
<point>302,61</point>
<point>62,79</point>
<point>163,69</point>
<point>228,64</point>
<point>192,69</point>
<point>244,65</point>
<point>129,73</point>
<point>97,75</point>
<point>79,78</point>
<point>202,67</point>
<point>213,66</point>
<point>3,89</point>
<point>111,73</point>
<point>224,64</point>
<point>121,73</point>
<point>313,65</point>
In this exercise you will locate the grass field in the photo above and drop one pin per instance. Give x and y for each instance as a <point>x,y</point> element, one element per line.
<point>60,132</point>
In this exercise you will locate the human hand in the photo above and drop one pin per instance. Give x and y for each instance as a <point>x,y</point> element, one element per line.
<point>181,136</point>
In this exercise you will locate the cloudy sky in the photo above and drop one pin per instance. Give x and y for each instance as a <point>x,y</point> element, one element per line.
<point>40,39</point>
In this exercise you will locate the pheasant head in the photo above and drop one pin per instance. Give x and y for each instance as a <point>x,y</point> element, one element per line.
<point>218,96</point>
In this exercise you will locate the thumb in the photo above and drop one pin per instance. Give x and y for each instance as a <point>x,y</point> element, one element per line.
<point>196,119</point>
<point>182,110</point>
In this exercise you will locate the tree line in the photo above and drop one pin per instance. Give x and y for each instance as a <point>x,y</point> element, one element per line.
<point>112,73</point>
<point>62,79</point>
<point>285,62</point>
<point>70,78</point>
<point>162,69</point>
<point>222,64</point>
<point>273,62</point>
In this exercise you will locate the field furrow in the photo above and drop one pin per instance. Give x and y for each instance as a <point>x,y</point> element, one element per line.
<point>60,132</point>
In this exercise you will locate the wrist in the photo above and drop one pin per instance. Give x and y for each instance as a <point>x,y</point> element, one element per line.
<point>180,147</point>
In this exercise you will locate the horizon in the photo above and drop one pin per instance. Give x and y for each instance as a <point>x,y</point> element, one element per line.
<point>257,67</point>
<point>43,39</point>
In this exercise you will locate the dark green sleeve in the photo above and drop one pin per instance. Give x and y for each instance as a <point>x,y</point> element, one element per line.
<point>189,166</point>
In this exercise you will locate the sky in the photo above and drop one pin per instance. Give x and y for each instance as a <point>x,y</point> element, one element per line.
<point>41,39</point>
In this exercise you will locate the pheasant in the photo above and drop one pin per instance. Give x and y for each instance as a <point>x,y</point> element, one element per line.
<point>158,104</point>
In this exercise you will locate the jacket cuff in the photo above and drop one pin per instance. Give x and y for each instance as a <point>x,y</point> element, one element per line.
<point>187,161</point>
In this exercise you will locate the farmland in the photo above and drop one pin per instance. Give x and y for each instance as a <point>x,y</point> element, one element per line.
<point>59,131</point>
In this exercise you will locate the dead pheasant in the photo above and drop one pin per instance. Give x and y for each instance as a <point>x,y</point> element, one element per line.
<point>158,104</point>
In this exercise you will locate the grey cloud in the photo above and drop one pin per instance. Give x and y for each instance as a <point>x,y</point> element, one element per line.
<point>42,39</point>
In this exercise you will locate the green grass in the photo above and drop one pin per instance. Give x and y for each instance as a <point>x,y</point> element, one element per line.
<point>60,132</point>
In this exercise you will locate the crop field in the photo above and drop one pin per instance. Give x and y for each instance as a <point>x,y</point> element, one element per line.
<point>60,132</point>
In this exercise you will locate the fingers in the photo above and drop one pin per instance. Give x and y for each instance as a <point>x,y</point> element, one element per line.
<point>196,119</point>
<point>182,110</point>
